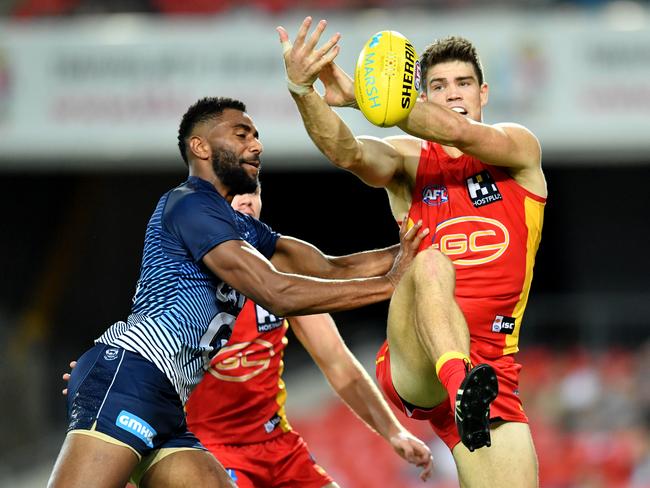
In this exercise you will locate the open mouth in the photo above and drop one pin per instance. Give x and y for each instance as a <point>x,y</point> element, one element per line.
<point>254,164</point>
<point>460,110</point>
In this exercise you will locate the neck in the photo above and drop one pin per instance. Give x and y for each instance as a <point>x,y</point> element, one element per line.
<point>208,175</point>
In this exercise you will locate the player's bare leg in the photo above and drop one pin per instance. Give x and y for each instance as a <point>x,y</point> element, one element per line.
<point>424,322</point>
<point>429,346</point>
<point>511,461</point>
<point>88,461</point>
<point>187,468</point>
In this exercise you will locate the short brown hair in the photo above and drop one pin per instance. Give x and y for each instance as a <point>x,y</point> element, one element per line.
<point>452,48</point>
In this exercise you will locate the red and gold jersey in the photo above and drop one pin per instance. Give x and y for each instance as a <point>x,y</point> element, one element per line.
<point>490,227</point>
<point>241,398</point>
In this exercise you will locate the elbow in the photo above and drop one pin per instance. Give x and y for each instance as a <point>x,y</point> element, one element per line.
<point>278,300</point>
<point>347,158</point>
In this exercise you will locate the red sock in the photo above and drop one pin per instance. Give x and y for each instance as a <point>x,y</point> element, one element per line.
<point>451,371</point>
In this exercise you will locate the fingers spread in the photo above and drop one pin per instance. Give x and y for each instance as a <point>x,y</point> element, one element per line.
<point>302,32</point>
<point>315,36</point>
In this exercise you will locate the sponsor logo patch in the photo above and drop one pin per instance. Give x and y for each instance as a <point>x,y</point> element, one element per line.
<point>266,321</point>
<point>242,361</point>
<point>503,324</point>
<point>482,189</point>
<point>136,426</point>
<point>111,354</point>
<point>272,424</point>
<point>471,240</point>
<point>435,195</point>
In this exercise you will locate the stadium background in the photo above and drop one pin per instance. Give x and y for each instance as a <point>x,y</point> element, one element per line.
<point>90,97</point>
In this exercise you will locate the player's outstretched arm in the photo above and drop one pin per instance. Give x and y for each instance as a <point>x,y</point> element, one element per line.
<point>244,268</point>
<point>375,161</point>
<point>506,144</point>
<point>296,256</point>
<point>319,335</point>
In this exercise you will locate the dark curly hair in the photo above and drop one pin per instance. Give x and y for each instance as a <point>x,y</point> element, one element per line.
<point>204,109</point>
<point>450,48</point>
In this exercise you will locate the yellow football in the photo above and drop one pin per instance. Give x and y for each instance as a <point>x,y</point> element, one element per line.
<point>387,78</point>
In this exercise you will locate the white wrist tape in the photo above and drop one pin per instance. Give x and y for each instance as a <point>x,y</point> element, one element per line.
<point>298,89</point>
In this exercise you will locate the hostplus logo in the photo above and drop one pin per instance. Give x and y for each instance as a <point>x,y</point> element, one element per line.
<point>482,189</point>
<point>266,321</point>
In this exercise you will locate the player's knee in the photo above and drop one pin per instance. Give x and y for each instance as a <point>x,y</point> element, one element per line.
<point>432,265</point>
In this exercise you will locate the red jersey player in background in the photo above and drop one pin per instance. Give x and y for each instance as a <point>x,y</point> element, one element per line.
<point>481,190</point>
<point>238,409</point>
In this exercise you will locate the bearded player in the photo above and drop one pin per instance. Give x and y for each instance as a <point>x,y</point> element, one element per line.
<point>238,409</point>
<point>461,303</point>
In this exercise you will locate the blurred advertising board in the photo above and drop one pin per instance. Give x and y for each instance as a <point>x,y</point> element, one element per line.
<point>105,92</point>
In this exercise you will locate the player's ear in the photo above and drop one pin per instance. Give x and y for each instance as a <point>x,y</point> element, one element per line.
<point>199,147</point>
<point>483,94</point>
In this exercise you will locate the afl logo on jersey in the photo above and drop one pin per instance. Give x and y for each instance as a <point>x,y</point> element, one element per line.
<point>471,240</point>
<point>435,195</point>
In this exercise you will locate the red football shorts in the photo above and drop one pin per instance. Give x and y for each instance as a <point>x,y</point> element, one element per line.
<point>507,405</point>
<point>281,462</point>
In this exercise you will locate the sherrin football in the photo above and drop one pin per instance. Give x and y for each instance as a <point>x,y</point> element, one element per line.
<point>387,78</point>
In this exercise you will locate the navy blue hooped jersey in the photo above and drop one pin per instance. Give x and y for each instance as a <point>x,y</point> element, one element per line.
<point>182,313</point>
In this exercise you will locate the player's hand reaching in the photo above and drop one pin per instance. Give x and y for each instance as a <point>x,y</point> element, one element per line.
<point>410,240</point>
<point>302,60</point>
<point>339,86</point>
<point>66,376</point>
<point>414,451</point>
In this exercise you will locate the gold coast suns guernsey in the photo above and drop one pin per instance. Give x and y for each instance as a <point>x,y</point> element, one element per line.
<point>241,398</point>
<point>490,227</point>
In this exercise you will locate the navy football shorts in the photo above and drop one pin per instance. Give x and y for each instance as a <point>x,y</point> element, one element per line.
<point>116,393</point>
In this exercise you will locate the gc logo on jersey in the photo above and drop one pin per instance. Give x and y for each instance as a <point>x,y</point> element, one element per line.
<point>242,361</point>
<point>482,189</point>
<point>266,321</point>
<point>471,240</point>
<point>435,195</point>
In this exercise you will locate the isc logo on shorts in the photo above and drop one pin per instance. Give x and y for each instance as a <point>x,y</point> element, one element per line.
<point>503,324</point>
<point>136,426</point>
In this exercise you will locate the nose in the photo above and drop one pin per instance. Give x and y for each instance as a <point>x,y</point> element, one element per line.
<point>256,147</point>
<point>453,93</point>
